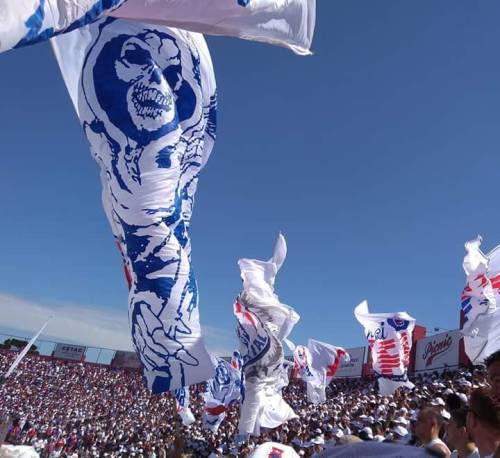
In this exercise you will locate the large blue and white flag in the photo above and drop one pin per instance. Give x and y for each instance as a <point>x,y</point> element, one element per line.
<point>224,389</point>
<point>263,323</point>
<point>146,99</point>
<point>390,340</point>
<point>481,315</point>
<point>290,23</point>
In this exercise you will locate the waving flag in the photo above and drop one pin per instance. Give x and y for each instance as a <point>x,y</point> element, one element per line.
<point>146,98</point>
<point>390,339</point>
<point>145,94</point>
<point>289,23</point>
<point>326,360</point>
<point>222,390</point>
<point>481,315</point>
<point>316,364</point>
<point>263,323</point>
<point>303,363</point>
<point>182,406</point>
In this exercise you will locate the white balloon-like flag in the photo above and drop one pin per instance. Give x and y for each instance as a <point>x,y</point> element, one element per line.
<point>481,315</point>
<point>263,323</point>
<point>390,340</point>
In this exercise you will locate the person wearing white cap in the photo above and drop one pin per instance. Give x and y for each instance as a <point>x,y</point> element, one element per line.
<point>318,444</point>
<point>427,428</point>
<point>458,438</point>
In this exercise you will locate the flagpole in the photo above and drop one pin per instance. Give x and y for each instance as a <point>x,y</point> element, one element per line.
<point>25,350</point>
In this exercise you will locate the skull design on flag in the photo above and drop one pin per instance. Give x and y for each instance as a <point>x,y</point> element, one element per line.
<point>147,105</point>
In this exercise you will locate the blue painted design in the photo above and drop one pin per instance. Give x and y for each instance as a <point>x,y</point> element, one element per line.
<point>243,2</point>
<point>150,92</point>
<point>398,325</point>
<point>34,23</point>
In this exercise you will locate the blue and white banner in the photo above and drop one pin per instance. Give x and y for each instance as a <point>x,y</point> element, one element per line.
<point>146,99</point>
<point>182,406</point>
<point>224,389</point>
<point>481,322</point>
<point>290,23</point>
<point>390,340</point>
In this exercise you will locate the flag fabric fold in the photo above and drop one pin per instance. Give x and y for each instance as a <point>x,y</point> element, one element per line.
<point>290,24</point>
<point>263,323</point>
<point>481,315</point>
<point>390,340</point>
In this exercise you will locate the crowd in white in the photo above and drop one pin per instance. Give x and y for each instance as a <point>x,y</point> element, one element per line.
<point>67,409</point>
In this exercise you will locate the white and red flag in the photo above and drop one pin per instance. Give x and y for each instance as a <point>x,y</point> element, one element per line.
<point>481,316</point>
<point>389,339</point>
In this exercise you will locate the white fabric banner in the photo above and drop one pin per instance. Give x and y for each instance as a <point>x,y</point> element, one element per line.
<point>182,406</point>
<point>146,99</point>
<point>289,23</point>
<point>316,365</point>
<point>390,340</point>
<point>25,350</point>
<point>225,388</point>
<point>481,329</point>
<point>263,322</point>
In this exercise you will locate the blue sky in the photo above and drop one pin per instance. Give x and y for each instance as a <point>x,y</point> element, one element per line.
<point>377,157</point>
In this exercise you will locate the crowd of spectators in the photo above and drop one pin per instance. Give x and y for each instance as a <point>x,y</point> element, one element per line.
<point>68,409</point>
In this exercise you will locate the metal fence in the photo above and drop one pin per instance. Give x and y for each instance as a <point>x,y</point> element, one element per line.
<point>46,348</point>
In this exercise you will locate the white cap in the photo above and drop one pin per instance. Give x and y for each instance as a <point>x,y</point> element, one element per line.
<point>368,431</point>
<point>438,402</point>
<point>400,431</point>
<point>318,440</point>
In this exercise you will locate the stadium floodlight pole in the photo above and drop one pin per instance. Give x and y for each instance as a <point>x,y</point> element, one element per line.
<point>24,351</point>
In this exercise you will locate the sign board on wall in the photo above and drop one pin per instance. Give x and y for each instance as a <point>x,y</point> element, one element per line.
<point>69,351</point>
<point>437,351</point>
<point>354,367</point>
<point>126,359</point>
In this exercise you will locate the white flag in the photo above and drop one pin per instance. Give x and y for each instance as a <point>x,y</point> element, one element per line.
<point>317,364</point>
<point>290,23</point>
<point>182,406</point>
<point>263,323</point>
<point>390,340</point>
<point>225,388</point>
<point>481,326</point>
<point>25,350</point>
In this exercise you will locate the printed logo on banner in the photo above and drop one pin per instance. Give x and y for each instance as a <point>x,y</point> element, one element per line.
<point>435,348</point>
<point>437,351</point>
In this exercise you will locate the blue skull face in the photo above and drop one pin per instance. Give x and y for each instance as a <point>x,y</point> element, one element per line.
<point>222,375</point>
<point>139,83</point>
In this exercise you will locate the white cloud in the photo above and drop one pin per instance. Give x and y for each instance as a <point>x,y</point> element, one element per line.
<point>87,325</point>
